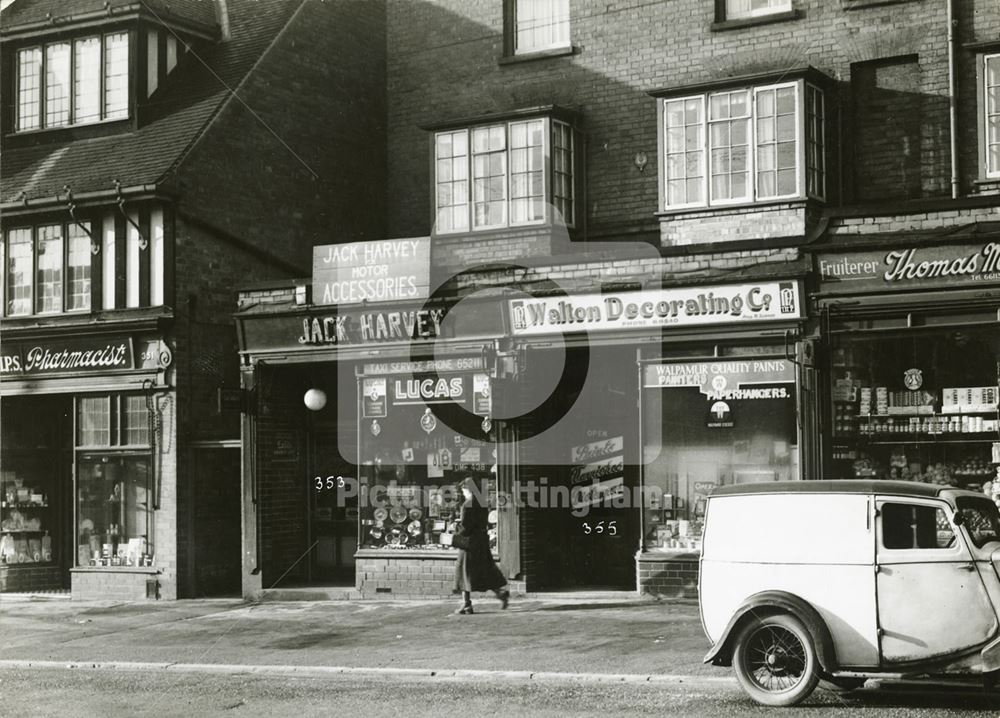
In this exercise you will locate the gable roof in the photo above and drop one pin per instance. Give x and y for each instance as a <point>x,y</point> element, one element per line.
<point>177,115</point>
<point>22,15</point>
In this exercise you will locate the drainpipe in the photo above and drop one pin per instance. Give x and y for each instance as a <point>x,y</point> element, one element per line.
<point>952,99</point>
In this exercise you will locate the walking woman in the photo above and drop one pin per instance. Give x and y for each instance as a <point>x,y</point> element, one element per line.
<point>475,569</point>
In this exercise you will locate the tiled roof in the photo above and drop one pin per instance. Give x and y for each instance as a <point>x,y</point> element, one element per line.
<point>61,12</point>
<point>184,106</point>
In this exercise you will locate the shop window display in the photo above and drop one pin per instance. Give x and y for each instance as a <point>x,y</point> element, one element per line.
<point>919,407</point>
<point>708,424</point>
<point>412,461</point>
<point>114,482</point>
<point>34,473</point>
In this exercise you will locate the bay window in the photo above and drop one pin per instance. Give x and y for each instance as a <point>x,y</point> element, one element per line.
<point>73,82</point>
<point>503,174</point>
<point>743,145</point>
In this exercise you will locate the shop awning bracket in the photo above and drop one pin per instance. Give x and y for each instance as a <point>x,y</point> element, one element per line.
<point>790,356</point>
<point>143,242</point>
<point>95,246</point>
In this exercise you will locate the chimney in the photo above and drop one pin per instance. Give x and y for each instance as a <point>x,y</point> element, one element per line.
<point>222,12</point>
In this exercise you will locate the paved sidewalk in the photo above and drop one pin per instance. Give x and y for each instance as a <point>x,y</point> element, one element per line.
<point>590,638</point>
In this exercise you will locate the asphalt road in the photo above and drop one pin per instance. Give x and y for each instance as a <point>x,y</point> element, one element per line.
<point>80,693</point>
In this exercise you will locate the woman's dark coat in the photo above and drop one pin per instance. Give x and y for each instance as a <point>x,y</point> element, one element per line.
<point>475,569</point>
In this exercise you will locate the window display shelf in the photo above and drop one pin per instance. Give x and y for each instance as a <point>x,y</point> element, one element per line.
<point>25,506</point>
<point>928,439</point>
<point>23,531</point>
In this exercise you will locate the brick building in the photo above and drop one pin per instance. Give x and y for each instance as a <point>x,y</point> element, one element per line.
<point>774,220</point>
<point>155,156</point>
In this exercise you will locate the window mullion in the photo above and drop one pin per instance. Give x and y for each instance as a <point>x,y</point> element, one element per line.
<point>42,85</point>
<point>706,148</point>
<point>72,82</point>
<point>752,136</point>
<point>100,76</point>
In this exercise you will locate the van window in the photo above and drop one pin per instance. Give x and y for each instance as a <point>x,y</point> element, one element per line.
<point>911,526</point>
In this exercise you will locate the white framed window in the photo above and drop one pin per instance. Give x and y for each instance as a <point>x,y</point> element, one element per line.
<point>73,83</point>
<point>991,114</point>
<point>504,174</point>
<point>47,269</point>
<point>741,9</point>
<point>539,25</point>
<point>743,145</point>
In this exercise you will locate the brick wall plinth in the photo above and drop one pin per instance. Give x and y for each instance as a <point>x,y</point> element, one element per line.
<point>405,574</point>
<point>110,583</point>
<point>670,576</point>
<point>26,577</point>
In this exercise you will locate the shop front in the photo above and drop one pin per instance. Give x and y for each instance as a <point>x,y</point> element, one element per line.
<point>362,419</point>
<point>911,338</point>
<point>86,418</point>
<point>670,392</point>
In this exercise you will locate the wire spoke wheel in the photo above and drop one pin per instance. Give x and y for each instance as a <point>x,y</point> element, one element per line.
<point>775,660</point>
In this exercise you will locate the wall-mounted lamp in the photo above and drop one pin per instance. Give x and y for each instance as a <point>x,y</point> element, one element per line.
<point>314,399</point>
<point>640,160</point>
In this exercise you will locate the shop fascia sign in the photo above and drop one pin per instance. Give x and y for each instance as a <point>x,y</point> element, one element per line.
<point>372,327</point>
<point>388,270</point>
<point>668,307</point>
<point>71,355</point>
<point>911,266</point>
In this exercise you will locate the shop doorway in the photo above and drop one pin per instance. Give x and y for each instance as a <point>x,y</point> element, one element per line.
<point>215,515</point>
<point>587,519</point>
<point>333,508</point>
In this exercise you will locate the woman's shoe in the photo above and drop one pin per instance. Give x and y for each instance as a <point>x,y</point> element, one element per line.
<point>504,597</point>
<point>464,610</point>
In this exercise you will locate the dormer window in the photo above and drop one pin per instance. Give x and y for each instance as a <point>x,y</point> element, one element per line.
<point>73,82</point>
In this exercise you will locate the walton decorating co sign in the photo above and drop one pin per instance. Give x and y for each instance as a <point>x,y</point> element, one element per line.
<point>690,306</point>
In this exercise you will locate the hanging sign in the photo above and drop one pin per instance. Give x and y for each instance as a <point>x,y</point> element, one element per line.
<point>935,266</point>
<point>374,396</point>
<point>674,307</point>
<point>387,270</point>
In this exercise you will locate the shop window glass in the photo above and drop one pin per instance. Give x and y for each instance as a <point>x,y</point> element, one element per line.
<point>563,192</point>
<point>135,421</point>
<point>412,462</point>
<point>909,526</point>
<point>920,406</point>
<point>34,468</point>
<point>113,513</point>
<point>709,424</point>
<point>93,421</point>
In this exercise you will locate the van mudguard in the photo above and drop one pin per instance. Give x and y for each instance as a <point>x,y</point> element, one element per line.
<point>767,603</point>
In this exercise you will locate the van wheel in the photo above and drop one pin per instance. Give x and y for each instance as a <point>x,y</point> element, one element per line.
<point>775,660</point>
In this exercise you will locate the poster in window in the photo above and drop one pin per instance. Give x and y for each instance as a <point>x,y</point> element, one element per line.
<point>374,397</point>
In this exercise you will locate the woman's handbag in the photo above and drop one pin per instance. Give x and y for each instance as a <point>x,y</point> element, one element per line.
<point>460,541</point>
